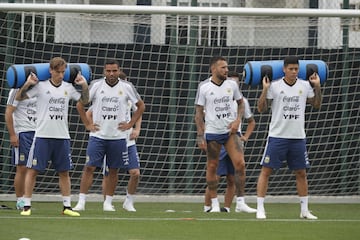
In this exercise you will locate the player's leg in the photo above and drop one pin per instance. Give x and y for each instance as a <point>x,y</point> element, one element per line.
<point>116,154</point>
<point>229,192</point>
<point>235,148</point>
<point>226,168</point>
<point>261,189</point>
<point>30,180</point>
<point>110,183</point>
<point>207,200</point>
<point>131,190</point>
<point>37,162</point>
<point>61,160</point>
<point>298,162</point>
<point>95,158</point>
<point>213,152</point>
<point>86,181</point>
<point>19,157</point>
<point>19,185</point>
<point>275,151</point>
<point>134,172</point>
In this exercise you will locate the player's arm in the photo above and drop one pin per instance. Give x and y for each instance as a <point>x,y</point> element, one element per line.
<point>200,127</point>
<point>30,81</point>
<point>317,99</point>
<point>14,140</point>
<point>249,129</point>
<point>136,131</point>
<point>135,116</point>
<point>81,110</point>
<point>80,80</point>
<point>234,126</point>
<point>263,103</point>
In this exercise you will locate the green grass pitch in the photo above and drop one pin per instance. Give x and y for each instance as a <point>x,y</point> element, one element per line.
<point>152,221</point>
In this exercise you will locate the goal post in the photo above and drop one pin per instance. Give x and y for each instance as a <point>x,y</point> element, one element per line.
<point>165,52</point>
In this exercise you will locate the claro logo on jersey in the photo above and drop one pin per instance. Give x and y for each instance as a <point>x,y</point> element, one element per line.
<point>57,108</point>
<point>110,108</point>
<point>222,107</point>
<point>291,107</point>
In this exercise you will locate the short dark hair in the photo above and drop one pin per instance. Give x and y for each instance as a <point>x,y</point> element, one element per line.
<point>215,59</point>
<point>291,60</point>
<point>233,74</point>
<point>112,61</point>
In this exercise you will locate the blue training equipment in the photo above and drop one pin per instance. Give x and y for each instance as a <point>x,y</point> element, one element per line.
<point>254,71</point>
<point>17,74</point>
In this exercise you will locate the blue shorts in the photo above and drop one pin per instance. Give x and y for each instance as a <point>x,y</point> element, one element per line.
<point>20,154</point>
<point>115,151</point>
<point>279,150</point>
<point>134,160</point>
<point>50,149</point>
<point>132,163</point>
<point>219,138</point>
<point>225,166</point>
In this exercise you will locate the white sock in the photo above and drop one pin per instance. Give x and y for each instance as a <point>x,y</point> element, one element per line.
<point>228,209</point>
<point>19,199</point>
<point>260,203</point>
<point>108,199</point>
<point>130,197</point>
<point>82,198</point>
<point>304,204</point>
<point>66,201</point>
<point>240,200</point>
<point>214,202</point>
<point>27,201</point>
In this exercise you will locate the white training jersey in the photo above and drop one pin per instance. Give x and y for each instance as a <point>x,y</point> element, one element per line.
<point>218,103</point>
<point>288,108</point>
<point>247,111</point>
<point>110,107</point>
<point>52,108</point>
<point>24,116</point>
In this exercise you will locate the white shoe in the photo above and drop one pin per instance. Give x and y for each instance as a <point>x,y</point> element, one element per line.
<point>79,207</point>
<point>260,214</point>
<point>243,207</point>
<point>128,205</point>
<point>308,215</point>
<point>207,208</point>
<point>215,209</point>
<point>108,208</point>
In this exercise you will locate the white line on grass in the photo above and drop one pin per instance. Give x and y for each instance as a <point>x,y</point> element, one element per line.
<point>180,219</point>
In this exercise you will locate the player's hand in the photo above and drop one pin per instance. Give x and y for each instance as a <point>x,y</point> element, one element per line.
<point>14,141</point>
<point>234,126</point>
<point>123,126</point>
<point>200,140</point>
<point>134,134</point>
<point>243,138</point>
<point>266,82</point>
<point>93,127</point>
<point>314,79</point>
<point>80,80</point>
<point>32,79</point>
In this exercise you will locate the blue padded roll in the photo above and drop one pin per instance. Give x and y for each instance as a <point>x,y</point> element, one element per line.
<point>17,74</point>
<point>254,71</point>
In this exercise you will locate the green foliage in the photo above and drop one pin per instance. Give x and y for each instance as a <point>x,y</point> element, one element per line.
<point>185,222</point>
